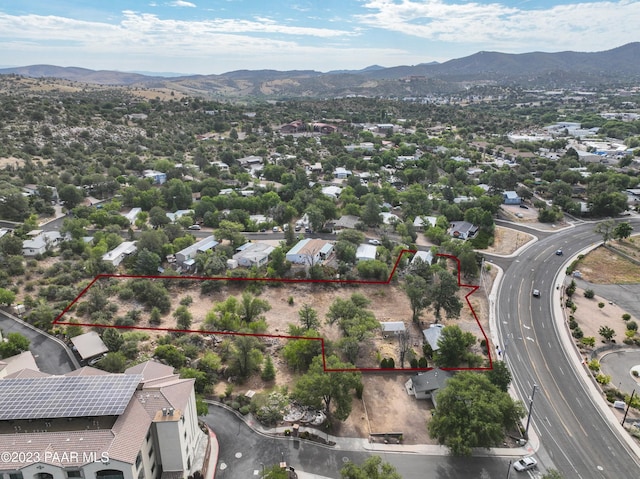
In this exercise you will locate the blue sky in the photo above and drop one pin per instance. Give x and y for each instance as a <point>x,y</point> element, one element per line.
<point>217,36</point>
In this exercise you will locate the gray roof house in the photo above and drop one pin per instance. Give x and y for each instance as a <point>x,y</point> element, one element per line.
<point>392,327</point>
<point>186,258</point>
<point>511,198</point>
<point>424,256</point>
<point>346,222</point>
<point>432,335</point>
<point>366,252</point>
<point>462,230</point>
<point>425,385</point>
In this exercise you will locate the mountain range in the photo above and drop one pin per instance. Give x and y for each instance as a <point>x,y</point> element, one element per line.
<point>568,69</point>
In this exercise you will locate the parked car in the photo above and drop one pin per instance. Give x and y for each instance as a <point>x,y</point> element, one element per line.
<point>525,464</point>
<point>275,229</point>
<point>375,242</point>
<point>524,207</point>
<point>195,227</point>
<point>536,293</point>
<point>558,252</point>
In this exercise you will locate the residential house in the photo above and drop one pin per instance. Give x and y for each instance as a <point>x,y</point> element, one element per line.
<point>173,217</point>
<point>432,335</point>
<point>426,385</point>
<point>253,254</point>
<point>186,258</point>
<point>462,230</point>
<point>390,218</point>
<point>341,173</point>
<point>14,364</point>
<point>295,126</point>
<point>331,191</point>
<point>40,242</point>
<point>424,256</point>
<point>420,223</point>
<point>157,177</point>
<point>94,425</point>
<point>392,328</point>
<point>120,252</point>
<point>366,252</point>
<point>511,198</point>
<point>133,214</point>
<point>324,128</point>
<point>310,251</point>
<point>346,222</point>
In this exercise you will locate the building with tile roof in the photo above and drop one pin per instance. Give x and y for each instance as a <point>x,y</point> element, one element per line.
<point>90,424</point>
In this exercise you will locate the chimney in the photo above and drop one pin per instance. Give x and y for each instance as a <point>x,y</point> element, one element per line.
<point>164,411</point>
<point>171,410</point>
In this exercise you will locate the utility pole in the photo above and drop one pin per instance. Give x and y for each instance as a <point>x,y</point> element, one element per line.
<point>526,429</point>
<point>628,406</point>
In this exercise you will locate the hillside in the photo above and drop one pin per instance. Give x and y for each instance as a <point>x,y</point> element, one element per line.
<point>535,69</point>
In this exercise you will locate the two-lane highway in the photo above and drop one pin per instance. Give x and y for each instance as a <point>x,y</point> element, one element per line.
<point>576,436</point>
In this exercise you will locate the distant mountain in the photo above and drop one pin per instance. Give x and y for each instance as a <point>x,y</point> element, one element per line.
<point>536,69</point>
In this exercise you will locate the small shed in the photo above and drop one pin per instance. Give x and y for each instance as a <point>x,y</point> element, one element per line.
<point>511,198</point>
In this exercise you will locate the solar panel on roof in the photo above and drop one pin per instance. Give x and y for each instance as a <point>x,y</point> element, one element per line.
<point>66,396</point>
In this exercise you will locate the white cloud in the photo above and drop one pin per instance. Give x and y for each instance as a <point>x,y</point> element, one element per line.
<point>182,3</point>
<point>578,26</point>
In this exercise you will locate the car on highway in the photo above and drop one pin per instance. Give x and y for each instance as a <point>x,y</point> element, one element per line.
<point>558,252</point>
<point>536,293</point>
<point>525,464</point>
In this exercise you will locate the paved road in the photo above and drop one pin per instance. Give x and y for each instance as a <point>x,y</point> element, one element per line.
<point>577,437</point>
<point>618,364</point>
<point>242,451</point>
<point>51,357</point>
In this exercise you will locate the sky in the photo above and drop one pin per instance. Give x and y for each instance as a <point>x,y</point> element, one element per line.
<point>218,36</point>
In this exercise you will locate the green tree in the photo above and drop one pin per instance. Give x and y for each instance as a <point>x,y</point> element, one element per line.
<point>298,353</point>
<point>112,339</point>
<point>114,362</point>
<point>245,356</point>
<point>500,375</point>
<point>15,344</point>
<point>171,355</point>
<point>442,295</point>
<point>622,230</point>
<point>184,318</point>
<point>551,474</point>
<point>269,371</point>
<point>308,317</point>
<point>147,263</point>
<point>70,196</point>
<point>210,363</point>
<point>605,228</point>
<point>7,297</point>
<point>371,468</point>
<point>201,384</point>
<point>371,213</point>
<point>416,287</point>
<point>250,308</point>
<point>332,391</point>
<point>472,412</point>
<point>606,332</point>
<point>158,217</point>
<point>453,346</point>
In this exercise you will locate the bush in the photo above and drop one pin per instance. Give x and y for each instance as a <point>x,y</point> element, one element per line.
<point>413,363</point>
<point>594,365</point>
<point>588,341</point>
<point>603,378</point>
<point>244,410</point>
<point>577,333</point>
<point>589,293</point>
<point>626,317</point>
<point>573,324</point>
<point>632,326</point>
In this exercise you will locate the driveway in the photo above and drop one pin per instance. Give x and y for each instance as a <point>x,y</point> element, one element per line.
<point>51,355</point>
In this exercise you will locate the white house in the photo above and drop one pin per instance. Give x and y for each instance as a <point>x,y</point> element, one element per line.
<point>253,254</point>
<point>310,251</point>
<point>420,223</point>
<point>424,256</point>
<point>341,173</point>
<point>366,252</point>
<point>40,242</point>
<point>133,214</point>
<point>92,424</point>
<point>120,252</point>
<point>157,177</point>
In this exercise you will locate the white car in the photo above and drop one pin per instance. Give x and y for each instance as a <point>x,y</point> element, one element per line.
<point>375,242</point>
<point>195,227</point>
<point>525,464</point>
<point>536,293</point>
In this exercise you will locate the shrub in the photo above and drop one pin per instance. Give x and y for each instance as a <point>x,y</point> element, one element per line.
<point>244,410</point>
<point>588,341</point>
<point>573,324</point>
<point>632,326</point>
<point>594,365</point>
<point>603,378</point>
<point>600,305</point>
<point>589,293</point>
<point>359,390</point>
<point>577,333</point>
<point>626,317</point>
<point>413,363</point>
<point>290,300</point>
<point>422,362</point>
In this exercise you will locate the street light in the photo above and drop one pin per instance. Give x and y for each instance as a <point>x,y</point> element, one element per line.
<point>526,429</point>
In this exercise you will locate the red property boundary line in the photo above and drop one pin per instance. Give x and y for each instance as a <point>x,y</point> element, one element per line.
<point>472,289</point>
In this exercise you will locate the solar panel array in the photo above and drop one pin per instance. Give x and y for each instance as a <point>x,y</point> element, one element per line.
<point>66,396</point>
